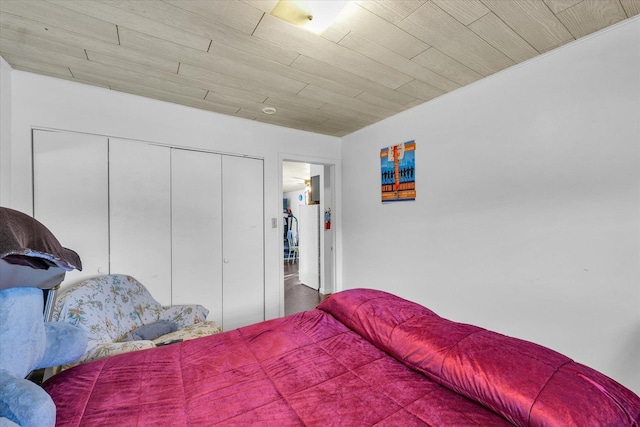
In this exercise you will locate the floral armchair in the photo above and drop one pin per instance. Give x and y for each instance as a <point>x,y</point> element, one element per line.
<point>113,310</point>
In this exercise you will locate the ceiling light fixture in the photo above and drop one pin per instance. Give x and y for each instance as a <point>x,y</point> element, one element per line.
<point>312,15</point>
<point>269,110</point>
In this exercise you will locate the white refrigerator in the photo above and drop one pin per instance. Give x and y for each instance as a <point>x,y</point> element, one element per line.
<point>309,245</point>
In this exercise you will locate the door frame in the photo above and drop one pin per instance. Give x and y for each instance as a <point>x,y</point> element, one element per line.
<point>335,176</point>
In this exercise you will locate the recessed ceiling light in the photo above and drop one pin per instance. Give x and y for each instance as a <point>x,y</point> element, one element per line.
<point>312,15</point>
<point>269,110</point>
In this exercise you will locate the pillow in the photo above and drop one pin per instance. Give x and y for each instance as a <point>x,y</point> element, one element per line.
<point>526,383</point>
<point>151,331</point>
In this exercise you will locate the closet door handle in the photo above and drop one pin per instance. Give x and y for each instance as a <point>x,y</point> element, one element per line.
<point>227,260</point>
<point>102,270</point>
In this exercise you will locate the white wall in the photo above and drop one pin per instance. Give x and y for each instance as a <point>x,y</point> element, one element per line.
<point>527,218</point>
<point>5,132</point>
<point>45,102</point>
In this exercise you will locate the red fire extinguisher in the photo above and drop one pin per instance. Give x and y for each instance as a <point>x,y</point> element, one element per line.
<point>327,219</point>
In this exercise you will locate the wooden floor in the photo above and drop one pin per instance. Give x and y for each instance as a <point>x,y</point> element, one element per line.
<point>298,297</point>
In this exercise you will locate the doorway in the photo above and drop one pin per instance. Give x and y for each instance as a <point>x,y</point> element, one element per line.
<point>308,249</point>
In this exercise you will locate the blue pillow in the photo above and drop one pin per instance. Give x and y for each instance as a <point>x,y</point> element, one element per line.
<point>151,331</point>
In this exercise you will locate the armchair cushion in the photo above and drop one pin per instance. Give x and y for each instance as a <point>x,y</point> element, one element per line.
<point>196,330</point>
<point>111,349</point>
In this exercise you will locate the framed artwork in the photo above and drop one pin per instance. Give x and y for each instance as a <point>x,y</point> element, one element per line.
<point>398,172</point>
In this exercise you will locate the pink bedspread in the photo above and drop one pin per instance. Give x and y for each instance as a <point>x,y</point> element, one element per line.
<point>362,358</point>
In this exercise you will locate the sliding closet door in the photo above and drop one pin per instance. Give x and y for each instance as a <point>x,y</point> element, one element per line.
<point>242,241</point>
<point>140,214</point>
<point>196,218</point>
<point>70,195</point>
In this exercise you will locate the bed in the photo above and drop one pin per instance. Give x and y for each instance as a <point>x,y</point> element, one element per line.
<point>362,357</point>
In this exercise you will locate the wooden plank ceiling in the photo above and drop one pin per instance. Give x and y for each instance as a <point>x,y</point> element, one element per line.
<point>232,57</point>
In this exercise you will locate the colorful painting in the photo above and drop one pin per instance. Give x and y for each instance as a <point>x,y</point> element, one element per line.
<point>398,172</point>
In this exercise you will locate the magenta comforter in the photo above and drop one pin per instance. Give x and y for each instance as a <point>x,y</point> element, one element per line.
<point>362,358</point>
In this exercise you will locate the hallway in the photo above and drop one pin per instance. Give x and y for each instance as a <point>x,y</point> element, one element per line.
<point>298,297</point>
